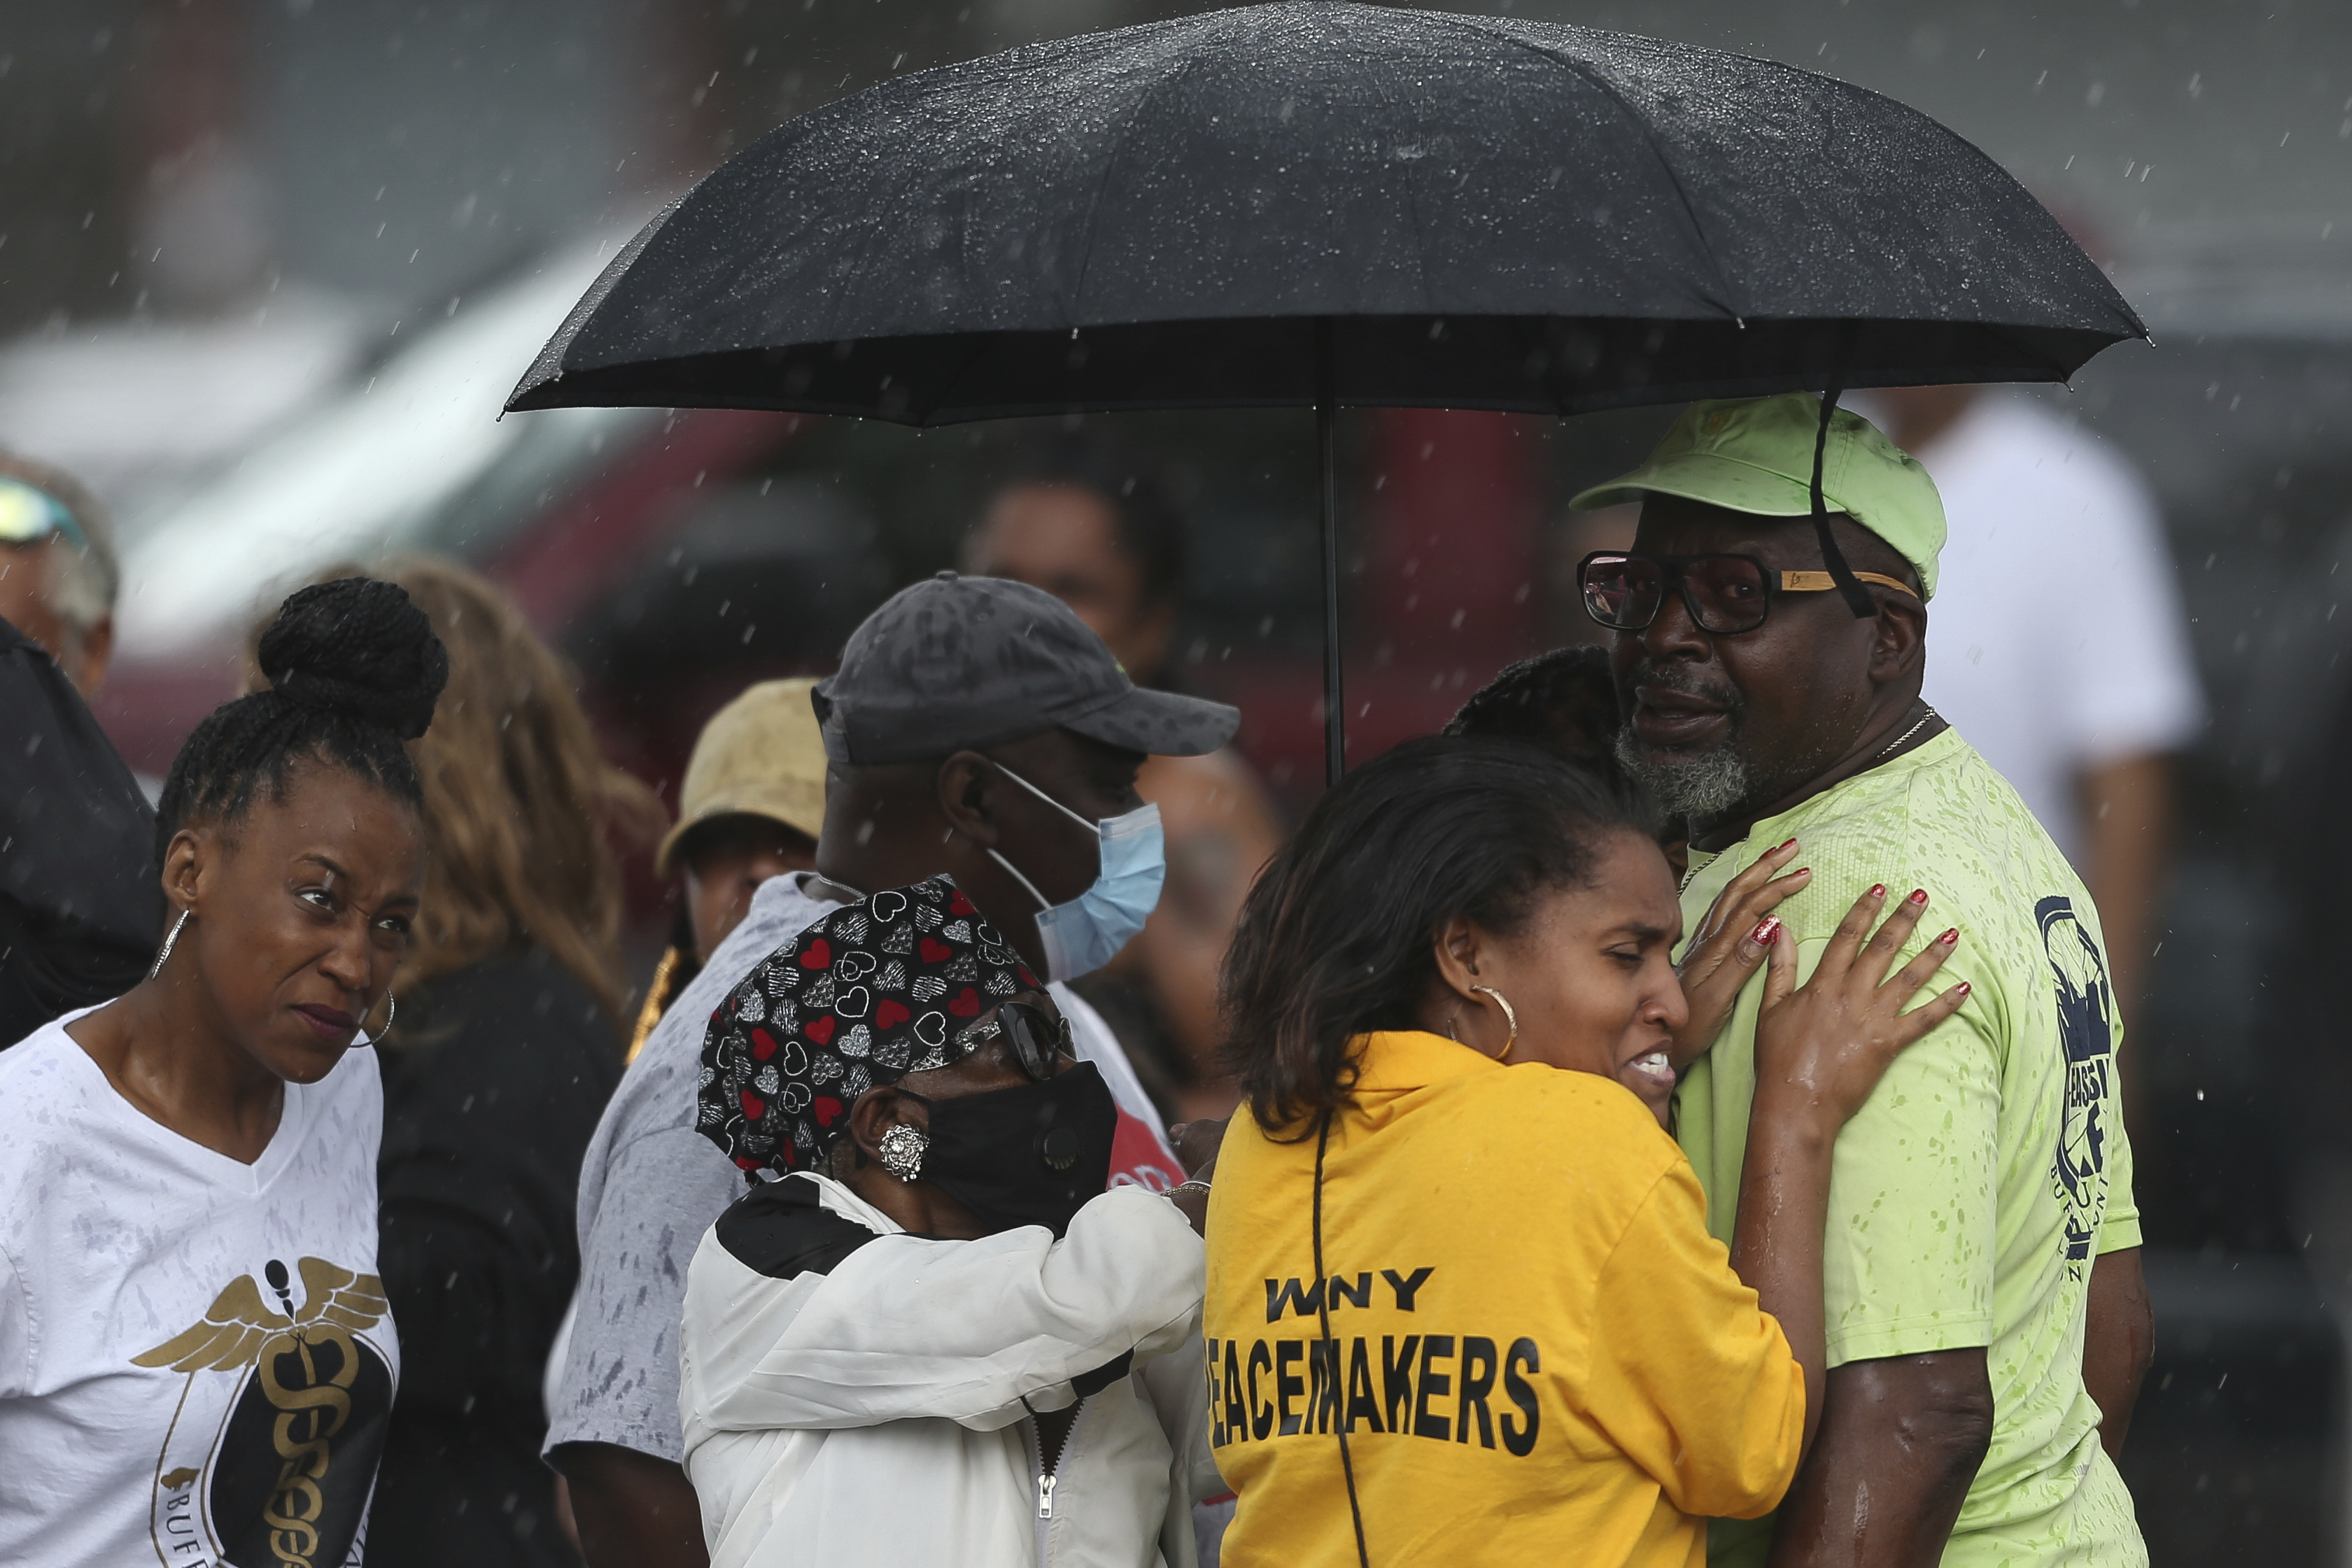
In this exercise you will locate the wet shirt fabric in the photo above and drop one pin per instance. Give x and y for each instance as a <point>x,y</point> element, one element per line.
<point>1536,1352</point>
<point>854,1394</point>
<point>196,1359</point>
<point>1971,1195</point>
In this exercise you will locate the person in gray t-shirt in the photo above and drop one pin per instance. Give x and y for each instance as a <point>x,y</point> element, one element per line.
<point>977,728</point>
<point>646,1165</point>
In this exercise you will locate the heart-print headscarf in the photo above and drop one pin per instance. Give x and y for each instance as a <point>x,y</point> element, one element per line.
<point>874,991</point>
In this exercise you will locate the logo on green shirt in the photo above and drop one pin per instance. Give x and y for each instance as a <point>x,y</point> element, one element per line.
<point>2086,1010</point>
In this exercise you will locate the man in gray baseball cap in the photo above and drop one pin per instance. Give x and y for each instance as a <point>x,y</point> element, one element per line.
<point>976,728</point>
<point>956,662</point>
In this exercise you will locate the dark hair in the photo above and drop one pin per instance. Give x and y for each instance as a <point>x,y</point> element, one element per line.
<point>1150,529</point>
<point>353,669</point>
<point>1564,701</point>
<point>1335,939</point>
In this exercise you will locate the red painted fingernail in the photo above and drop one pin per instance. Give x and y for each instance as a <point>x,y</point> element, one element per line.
<point>1918,895</point>
<point>1803,871</point>
<point>1790,845</point>
<point>1948,937</point>
<point>1762,934</point>
<point>1878,890</point>
<point>1965,987</point>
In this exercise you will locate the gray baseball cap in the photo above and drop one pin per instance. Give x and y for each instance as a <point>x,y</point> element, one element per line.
<point>958,663</point>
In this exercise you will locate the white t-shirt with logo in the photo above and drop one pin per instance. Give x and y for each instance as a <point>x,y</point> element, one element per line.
<point>196,1362</point>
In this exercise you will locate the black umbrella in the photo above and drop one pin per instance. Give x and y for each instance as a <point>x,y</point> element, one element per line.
<point>1331,203</point>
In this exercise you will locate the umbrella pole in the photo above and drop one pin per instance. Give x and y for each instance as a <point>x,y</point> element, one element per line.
<point>1335,717</point>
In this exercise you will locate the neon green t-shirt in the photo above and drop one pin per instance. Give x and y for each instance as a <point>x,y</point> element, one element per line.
<point>1969,1197</point>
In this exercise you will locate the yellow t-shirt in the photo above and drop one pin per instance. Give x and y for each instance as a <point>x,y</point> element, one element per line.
<point>1536,1352</point>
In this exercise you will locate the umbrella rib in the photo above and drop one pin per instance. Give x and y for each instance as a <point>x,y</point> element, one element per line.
<point>1410,191</point>
<point>1641,123</point>
<point>1093,204</point>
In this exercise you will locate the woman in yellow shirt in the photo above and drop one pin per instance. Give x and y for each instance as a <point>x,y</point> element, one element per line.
<point>1462,1306</point>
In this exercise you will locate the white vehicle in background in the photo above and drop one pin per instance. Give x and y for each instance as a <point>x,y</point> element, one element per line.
<point>574,510</point>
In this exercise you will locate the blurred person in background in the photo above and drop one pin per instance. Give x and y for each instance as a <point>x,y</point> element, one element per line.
<point>937,1300</point>
<point>80,908</point>
<point>509,1043</point>
<point>1093,526</point>
<point>750,809</point>
<point>1566,702</point>
<point>59,574</point>
<point>2060,650</point>
<point>977,728</point>
<point>196,1354</point>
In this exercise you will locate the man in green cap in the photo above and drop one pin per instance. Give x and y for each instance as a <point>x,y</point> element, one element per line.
<point>1983,1293</point>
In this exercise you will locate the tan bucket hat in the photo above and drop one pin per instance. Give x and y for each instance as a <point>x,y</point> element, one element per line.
<point>760,756</point>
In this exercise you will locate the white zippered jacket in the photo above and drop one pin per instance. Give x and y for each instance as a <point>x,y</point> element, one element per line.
<point>874,1414</point>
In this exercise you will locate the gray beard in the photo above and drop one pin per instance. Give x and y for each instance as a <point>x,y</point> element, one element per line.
<point>1696,785</point>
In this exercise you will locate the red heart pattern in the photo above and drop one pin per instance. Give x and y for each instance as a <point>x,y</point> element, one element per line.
<point>767,1065</point>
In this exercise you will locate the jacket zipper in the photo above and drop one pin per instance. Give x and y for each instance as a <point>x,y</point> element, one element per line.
<point>1049,1478</point>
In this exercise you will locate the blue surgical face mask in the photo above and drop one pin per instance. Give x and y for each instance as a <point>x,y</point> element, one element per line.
<point>1087,933</point>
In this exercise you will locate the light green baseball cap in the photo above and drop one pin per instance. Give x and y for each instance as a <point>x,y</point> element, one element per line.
<point>1756,455</point>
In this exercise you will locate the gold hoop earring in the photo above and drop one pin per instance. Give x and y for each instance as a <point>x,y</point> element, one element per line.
<point>1509,1016</point>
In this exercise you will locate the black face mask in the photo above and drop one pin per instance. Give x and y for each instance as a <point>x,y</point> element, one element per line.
<point>1031,1155</point>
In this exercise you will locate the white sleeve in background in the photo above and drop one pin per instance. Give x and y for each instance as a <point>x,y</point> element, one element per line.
<point>2055,640</point>
<point>908,1327</point>
<point>2063,542</point>
<point>2130,685</point>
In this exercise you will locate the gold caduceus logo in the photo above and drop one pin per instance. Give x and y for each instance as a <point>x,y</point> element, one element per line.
<point>311,1397</point>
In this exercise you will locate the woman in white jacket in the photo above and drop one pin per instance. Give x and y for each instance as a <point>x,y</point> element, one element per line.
<point>927,1335</point>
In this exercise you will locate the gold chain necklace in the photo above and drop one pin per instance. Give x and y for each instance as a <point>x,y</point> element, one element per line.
<point>1896,744</point>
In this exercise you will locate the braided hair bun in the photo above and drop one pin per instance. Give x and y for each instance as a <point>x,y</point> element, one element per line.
<point>354,670</point>
<point>361,648</point>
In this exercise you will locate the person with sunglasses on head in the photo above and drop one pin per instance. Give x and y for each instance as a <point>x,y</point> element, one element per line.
<point>927,1335</point>
<point>976,728</point>
<point>80,903</point>
<point>59,574</point>
<point>1988,1323</point>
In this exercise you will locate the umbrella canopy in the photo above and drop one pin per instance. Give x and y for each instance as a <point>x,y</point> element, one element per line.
<point>1487,213</point>
<point>1317,201</point>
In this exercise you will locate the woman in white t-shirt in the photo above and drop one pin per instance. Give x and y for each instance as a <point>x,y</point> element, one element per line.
<point>195,1360</point>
